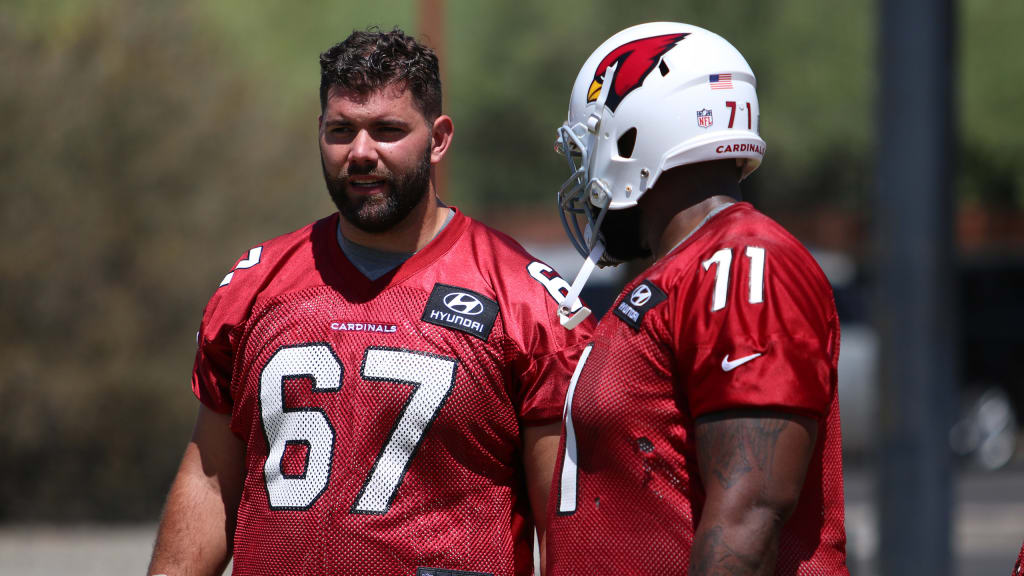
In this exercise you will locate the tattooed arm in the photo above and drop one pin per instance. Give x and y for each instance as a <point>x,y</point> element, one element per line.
<point>752,464</point>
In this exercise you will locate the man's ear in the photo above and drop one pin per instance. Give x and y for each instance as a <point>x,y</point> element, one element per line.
<point>441,133</point>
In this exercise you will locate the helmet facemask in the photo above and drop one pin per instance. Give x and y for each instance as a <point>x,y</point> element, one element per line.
<point>576,209</point>
<point>582,200</point>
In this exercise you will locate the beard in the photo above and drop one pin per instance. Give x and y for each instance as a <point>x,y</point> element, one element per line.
<point>380,212</point>
<point>623,235</point>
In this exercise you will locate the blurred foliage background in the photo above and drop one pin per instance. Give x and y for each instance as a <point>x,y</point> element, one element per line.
<point>146,145</point>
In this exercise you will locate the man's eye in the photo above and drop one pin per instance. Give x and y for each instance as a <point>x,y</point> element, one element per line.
<point>389,133</point>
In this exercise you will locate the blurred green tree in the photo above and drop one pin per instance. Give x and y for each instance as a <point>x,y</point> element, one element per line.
<point>135,159</point>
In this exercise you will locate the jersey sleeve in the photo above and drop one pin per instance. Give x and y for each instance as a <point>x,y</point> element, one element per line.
<point>227,309</point>
<point>547,352</point>
<point>544,383</point>
<point>759,330</point>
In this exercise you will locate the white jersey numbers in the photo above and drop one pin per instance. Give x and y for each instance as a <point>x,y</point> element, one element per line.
<point>556,286</point>
<point>756,256</point>
<point>301,426</point>
<point>432,378</point>
<point>722,260</point>
<point>252,259</point>
<point>568,474</point>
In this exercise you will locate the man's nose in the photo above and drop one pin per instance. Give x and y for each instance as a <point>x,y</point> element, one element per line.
<point>364,149</point>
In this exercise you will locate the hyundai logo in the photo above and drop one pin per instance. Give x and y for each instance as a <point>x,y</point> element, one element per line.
<point>641,295</point>
<point>463,303</point>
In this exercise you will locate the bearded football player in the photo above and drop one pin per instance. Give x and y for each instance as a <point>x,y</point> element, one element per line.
<point>701,426</point>
<point>380,391</point>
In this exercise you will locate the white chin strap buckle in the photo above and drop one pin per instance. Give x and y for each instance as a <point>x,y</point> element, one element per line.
<point>570,321</point>
<point>566,317</point>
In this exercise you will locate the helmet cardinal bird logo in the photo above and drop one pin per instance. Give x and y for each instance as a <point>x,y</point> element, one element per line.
<point>635,61</point>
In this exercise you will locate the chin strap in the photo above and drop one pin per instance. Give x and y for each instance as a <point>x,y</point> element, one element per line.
<point>566,317</point>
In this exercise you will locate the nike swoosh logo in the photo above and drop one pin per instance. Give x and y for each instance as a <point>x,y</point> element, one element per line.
<point>730,365</point>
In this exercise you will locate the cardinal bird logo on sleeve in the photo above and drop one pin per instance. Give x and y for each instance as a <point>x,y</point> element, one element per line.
<point>635,61</point>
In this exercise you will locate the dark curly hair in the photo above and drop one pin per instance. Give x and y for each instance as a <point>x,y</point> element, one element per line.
<point>369,60</point>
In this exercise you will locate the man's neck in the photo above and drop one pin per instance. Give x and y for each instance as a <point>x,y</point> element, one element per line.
<point>684,223</point>
<point>409,235</point>
<point>682,199</point>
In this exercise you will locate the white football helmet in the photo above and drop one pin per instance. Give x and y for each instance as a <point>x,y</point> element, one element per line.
<point>650,98</point>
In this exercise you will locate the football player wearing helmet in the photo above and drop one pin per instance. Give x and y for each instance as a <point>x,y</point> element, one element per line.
<point>701,426</point>
<point>380,391</point>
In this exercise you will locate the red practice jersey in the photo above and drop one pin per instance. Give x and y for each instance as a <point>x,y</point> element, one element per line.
<point>739,315</point>
<point>382,418</point>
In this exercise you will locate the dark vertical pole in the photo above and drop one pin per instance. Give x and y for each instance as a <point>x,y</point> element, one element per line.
<point>916,273</point>
<point>431,32</point>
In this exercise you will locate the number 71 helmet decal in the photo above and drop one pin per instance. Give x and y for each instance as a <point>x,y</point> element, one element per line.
<point>650,98</point>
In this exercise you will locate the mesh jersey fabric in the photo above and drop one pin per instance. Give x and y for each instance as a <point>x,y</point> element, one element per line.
<point>381,418</point>
<point>628,497</point>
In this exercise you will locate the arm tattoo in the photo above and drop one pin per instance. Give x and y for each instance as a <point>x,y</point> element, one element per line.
<point>711,556</point>
<point>753,492</point>
<point>736,446</point>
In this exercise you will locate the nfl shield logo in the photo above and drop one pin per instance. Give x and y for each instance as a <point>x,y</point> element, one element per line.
<point>704,118</point>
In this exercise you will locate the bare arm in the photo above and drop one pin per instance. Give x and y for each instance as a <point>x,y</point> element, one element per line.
<point>540,450</point>
<point>198,523</point>
<point>752,465</point>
